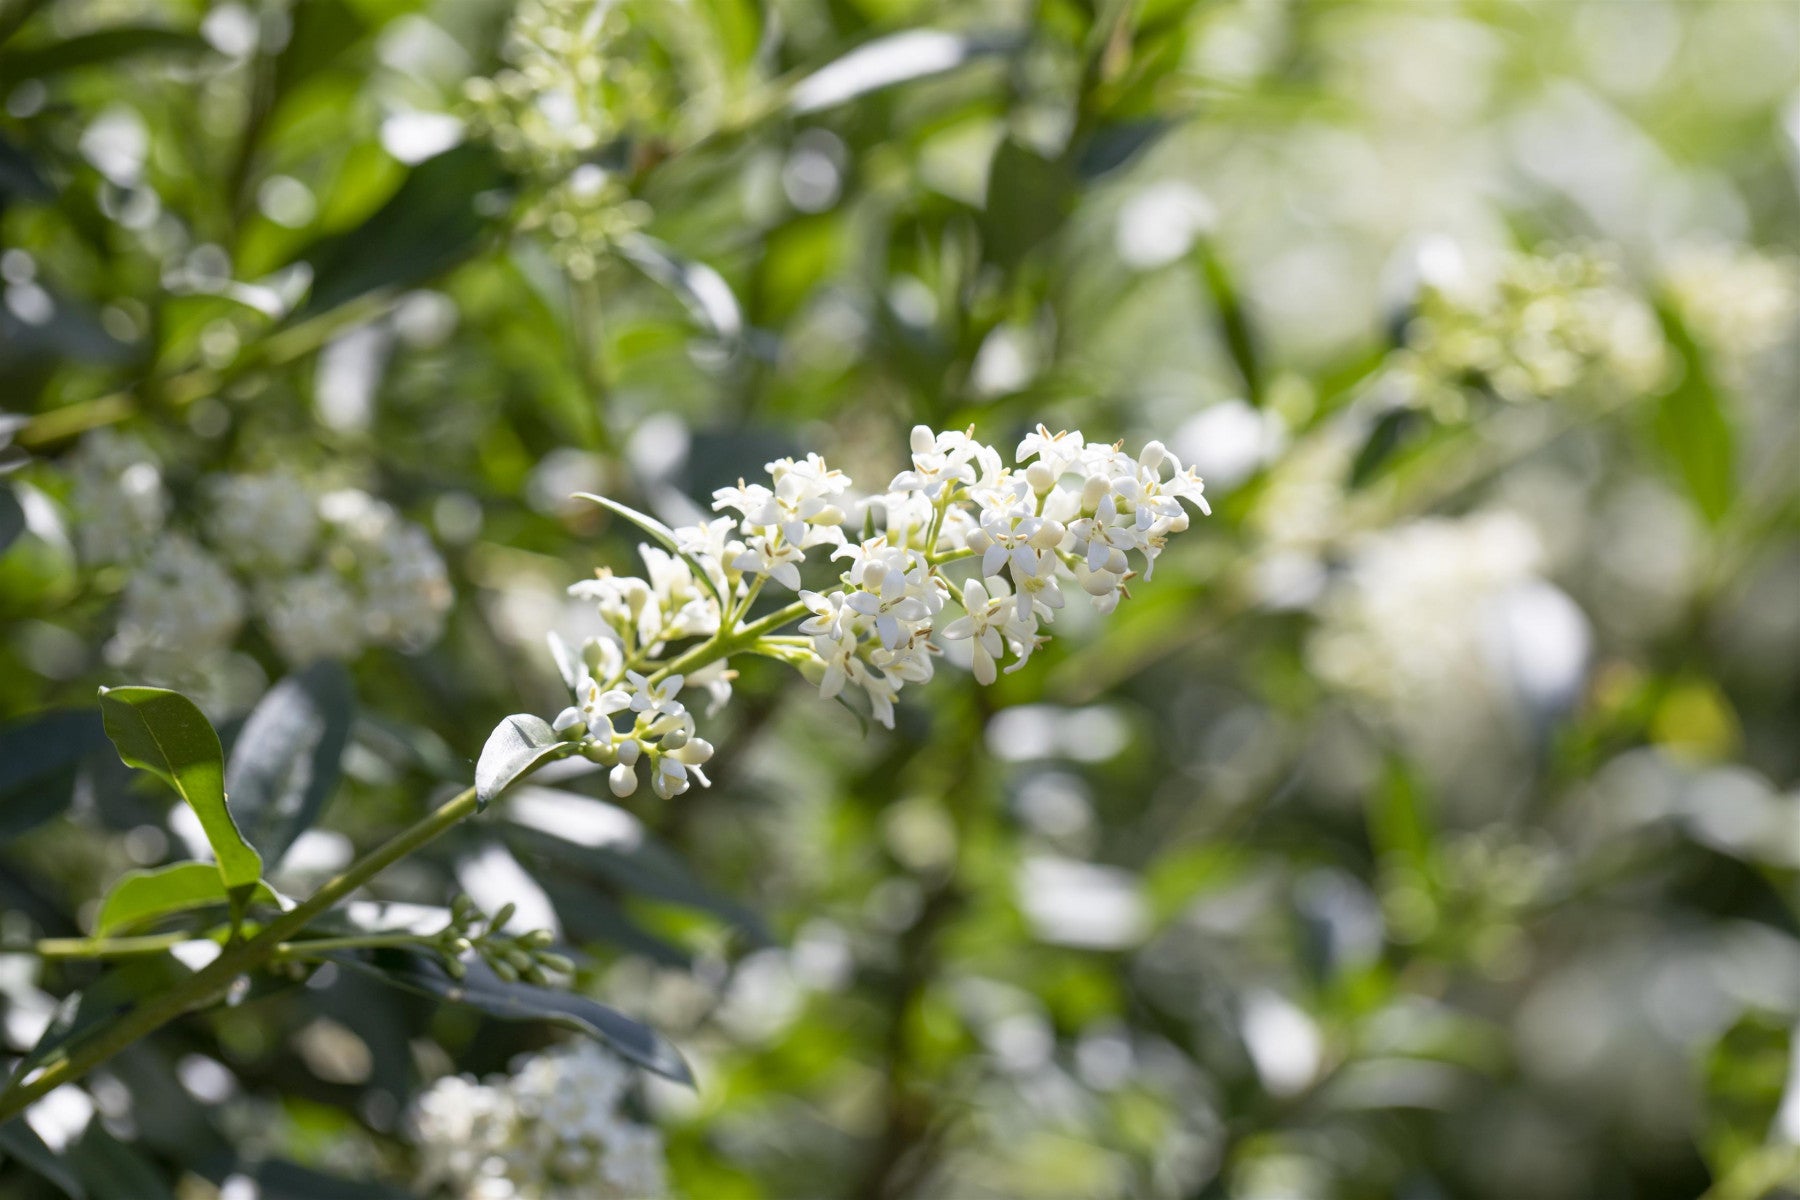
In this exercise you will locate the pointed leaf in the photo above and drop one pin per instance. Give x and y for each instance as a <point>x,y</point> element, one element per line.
<point>97,48</point>
<point>164,733</point>
<point>142,896</point>
<point>662,533</point>
<point>515,748</point>
<point>886,61</point>
<point>1693,427</point>
<point>19,1141</point>
<point>284,765</point>
<point>481,989</point>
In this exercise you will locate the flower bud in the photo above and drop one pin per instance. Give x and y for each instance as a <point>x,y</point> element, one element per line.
<point>503,916</point>
<point>1040,477</point>
<point>622,780</point>
<point>922,439</point>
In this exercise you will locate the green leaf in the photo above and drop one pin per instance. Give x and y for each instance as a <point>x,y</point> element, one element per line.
<point>114,1171</point>
<point>1693,429</point>
<point>39,760</point>
<point>517,746</point>
<point>279,1180</point>
<point>19,1141</point>
<point>163,732</point>
<point>611,843</point>
<point>428,226</point>
<point>1029,197</point>
<point>1392,431</point>
<point>12,518</point>
<point>285,763</point>
<point>701,290</point>
<point>481,989</point>
<point>141,896</point>
<point>662,533</point>
<point>95,49</point>
<point>1234,324</point>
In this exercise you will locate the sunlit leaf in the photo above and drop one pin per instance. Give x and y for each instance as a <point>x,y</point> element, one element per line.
<point>701,289</point>
<point>886,61</point>
<point>164,733</point>
<point>517,745</point>
<point>1694,430</point>
<point>143,896</point>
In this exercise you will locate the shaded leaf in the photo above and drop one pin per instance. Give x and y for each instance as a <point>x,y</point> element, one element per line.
<point>19,175</point>
<point>429,225</point>
<point>94,49</point>
<point>164,733</point>
<point>662,533</point>
<point>39,759</point>
<point>278,1180</point>
<point>12,518</point>
<point>1392,430</point>
<point>1234,324</point>
<point>18,1141</point>
<point>81,1013</point>
<point>481,989</point>
<point>613,844</point>
<point>114,1171</point>
<point>285,763</point>
<point>142,896</point>
<point>517,745</point>
<point>1028,199</point>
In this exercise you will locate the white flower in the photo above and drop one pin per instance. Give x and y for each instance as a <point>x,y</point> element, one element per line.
<point>117,498</point>
<point>262,522</point>
<point>981,622</point>
<point>311,616</point>
<point>655,699</point>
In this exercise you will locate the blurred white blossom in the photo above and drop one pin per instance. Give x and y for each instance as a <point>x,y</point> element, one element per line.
<point>551,1130</point>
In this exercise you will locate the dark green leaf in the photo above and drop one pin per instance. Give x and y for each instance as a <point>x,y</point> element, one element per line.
<point>163,732</point>
<point>12,518</point>
<point>322,30</point>
<point>142,896</point>
<point>481,989</point>
<point>1234,324</point>
<point>610,842</point>
<point>1694,431</point>
<point>94,49</point>
<point>277,1180</point>
<point>1028,199</point>
<point>20,177</point>
<point>39,759</point>
<point>516,747</point>
<point>1392,430</point>
<point>81,1013</point>
<point>19,1142</point>
<point>285,763</point>
<point>429,225</point>
<point>115,1171</point>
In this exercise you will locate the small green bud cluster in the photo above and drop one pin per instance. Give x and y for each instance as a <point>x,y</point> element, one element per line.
<point>512,957</point>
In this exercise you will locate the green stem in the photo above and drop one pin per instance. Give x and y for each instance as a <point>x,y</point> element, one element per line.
<point>208,984</point>
<point>725,645</point>
<point>119,947</point>
<point>372,941</point>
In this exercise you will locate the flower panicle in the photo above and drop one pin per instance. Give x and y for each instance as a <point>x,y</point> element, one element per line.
<point>961,546</point>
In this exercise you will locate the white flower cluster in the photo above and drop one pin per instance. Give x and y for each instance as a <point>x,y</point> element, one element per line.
<point>552,1130</point>
<point>1548,327</point>
<point>574,83</point>
<point>961,545</point>
<point>328,574</point>
<point>1444,630</point>
<point>1735,300</point>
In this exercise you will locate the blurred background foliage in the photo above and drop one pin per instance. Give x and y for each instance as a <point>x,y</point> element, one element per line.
<point>1428,827</point>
